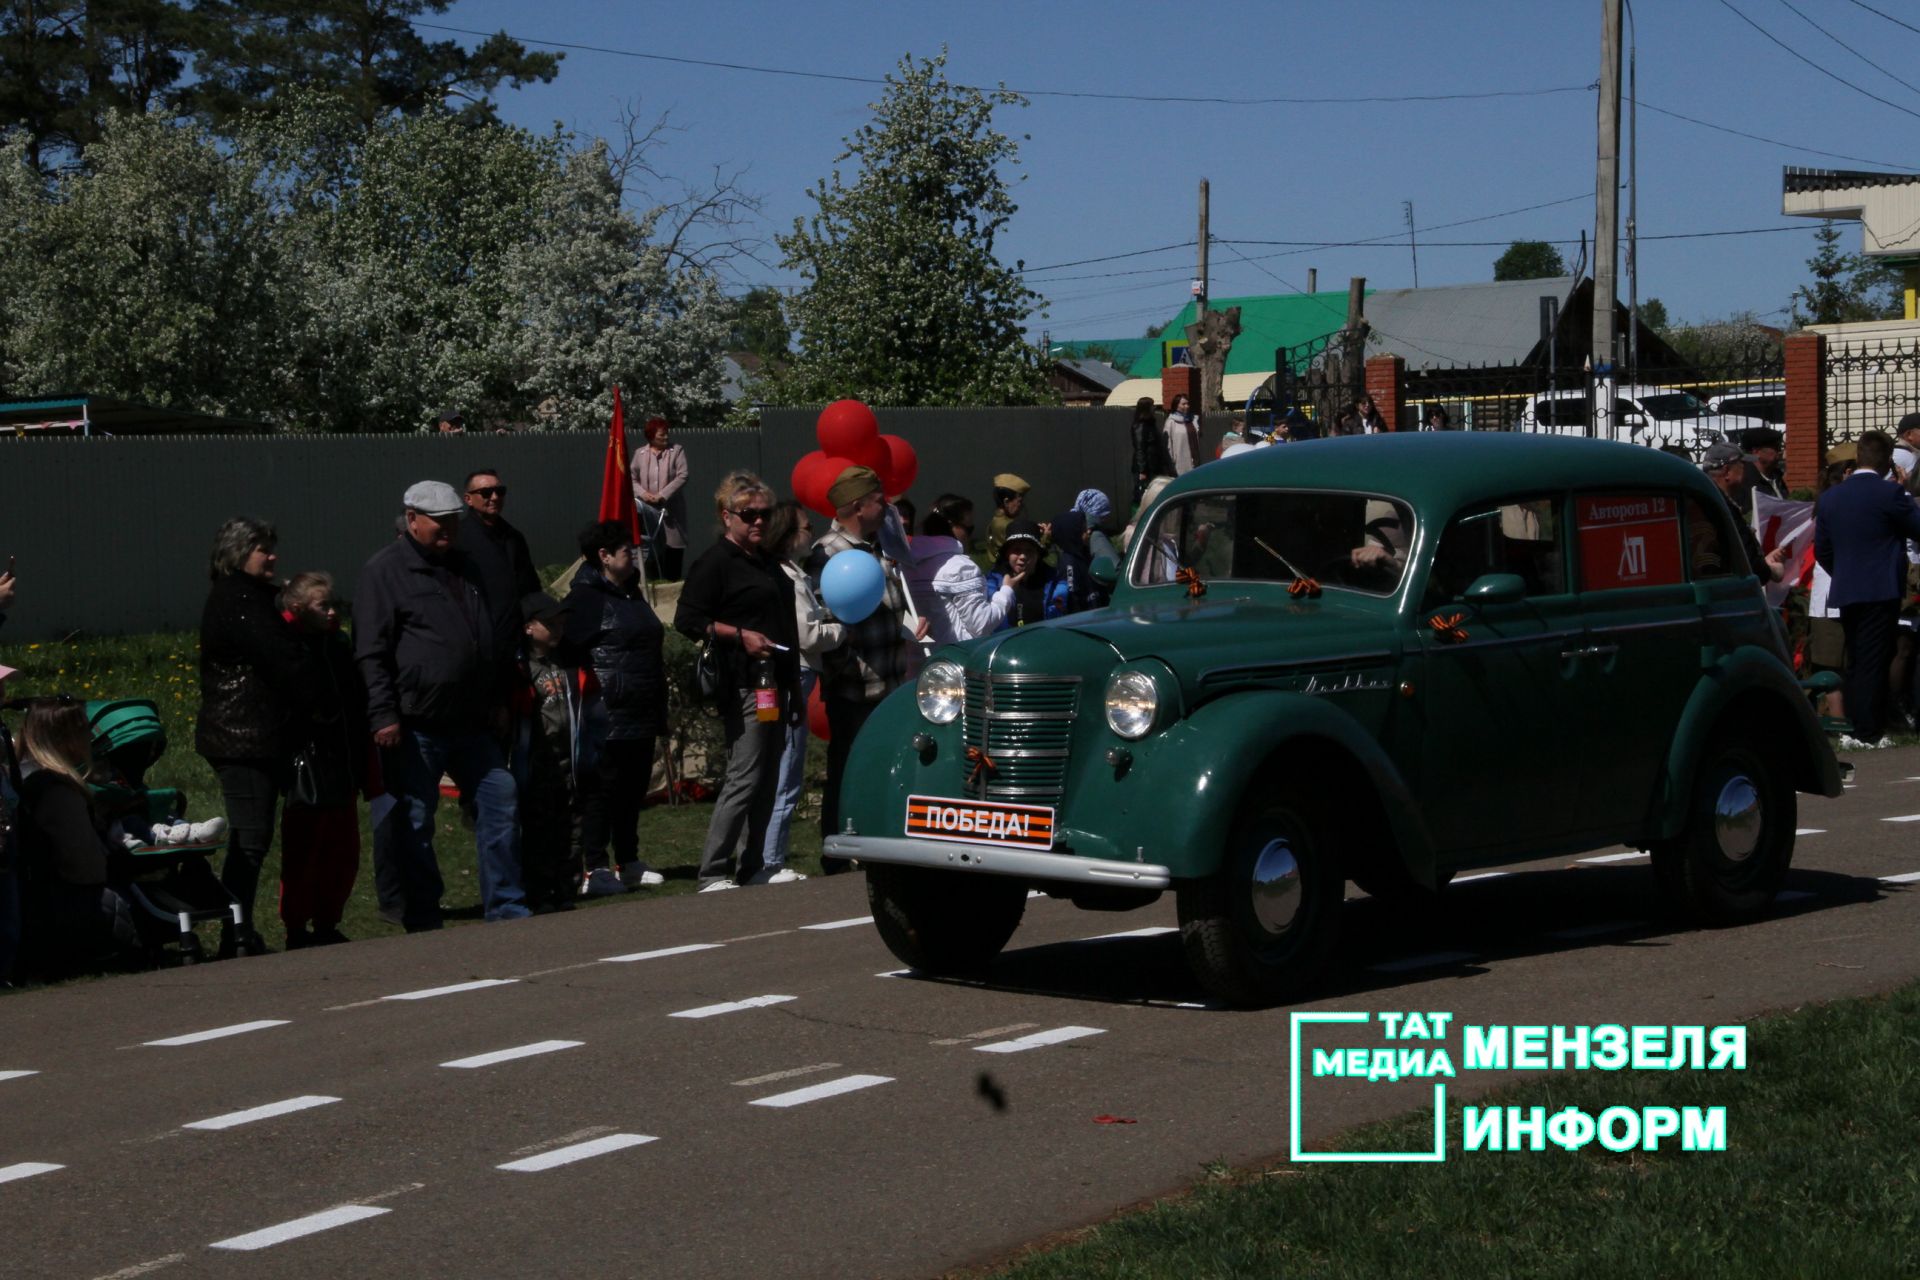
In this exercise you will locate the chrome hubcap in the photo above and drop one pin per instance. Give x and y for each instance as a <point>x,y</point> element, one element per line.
<point>1736,818</point>
<point>1276,886</point>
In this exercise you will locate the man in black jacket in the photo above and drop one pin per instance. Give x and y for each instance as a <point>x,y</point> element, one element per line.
<point>499,552</point>
<point>424,637</point>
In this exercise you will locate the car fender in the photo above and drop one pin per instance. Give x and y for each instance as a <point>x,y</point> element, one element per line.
<point>1208,763</point>
<point>1749,686</point>
<point>886,764</point>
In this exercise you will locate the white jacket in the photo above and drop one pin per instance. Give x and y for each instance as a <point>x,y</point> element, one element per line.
<point>817,633</point>
<point>950,592</point>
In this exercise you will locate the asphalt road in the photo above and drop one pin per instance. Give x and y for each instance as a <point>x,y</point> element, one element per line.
<point>354,1131</point>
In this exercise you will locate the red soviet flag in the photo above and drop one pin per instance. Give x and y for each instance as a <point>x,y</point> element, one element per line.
<point>616,487</point>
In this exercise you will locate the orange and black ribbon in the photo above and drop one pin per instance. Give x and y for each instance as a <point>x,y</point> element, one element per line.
<point>1447,627</point>
<point>1192,582</point>
<point>1304,587</point>
<point>979,760</point>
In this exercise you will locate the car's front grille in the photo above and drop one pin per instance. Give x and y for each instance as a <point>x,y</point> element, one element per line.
<point>1024,724</point>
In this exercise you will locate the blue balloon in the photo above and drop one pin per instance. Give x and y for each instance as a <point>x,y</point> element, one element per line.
<point>852,585</point>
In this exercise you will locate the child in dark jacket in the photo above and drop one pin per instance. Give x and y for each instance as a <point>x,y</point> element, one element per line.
<point>332,763</point>
<point>559,728</point>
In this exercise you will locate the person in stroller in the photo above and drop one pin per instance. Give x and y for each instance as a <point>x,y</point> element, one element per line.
<point>73,915</point>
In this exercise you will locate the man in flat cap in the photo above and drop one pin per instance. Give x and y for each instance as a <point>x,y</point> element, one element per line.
<point>1906,444</point>
<point>881,652</point>
<point>1009,501</point>
<point>1762,472</point>
<point>423,633</point>
<point>1725,465</point>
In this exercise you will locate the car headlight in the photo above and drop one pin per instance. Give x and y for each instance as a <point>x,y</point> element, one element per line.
<point>1132,703</point>
<point>942,691</point>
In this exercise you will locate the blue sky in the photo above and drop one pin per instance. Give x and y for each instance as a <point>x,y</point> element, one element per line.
<point>1102,177</point>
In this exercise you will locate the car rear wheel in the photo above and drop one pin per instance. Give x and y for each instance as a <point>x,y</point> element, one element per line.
<point>1731,858</point>
<point>1261,927</point>
<point>949,923</point>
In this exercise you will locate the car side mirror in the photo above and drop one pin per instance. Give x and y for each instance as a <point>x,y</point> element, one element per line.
<point>1497,588</point>
<point>1105,572</point>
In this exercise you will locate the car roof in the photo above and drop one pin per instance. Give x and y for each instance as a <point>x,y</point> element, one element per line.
<point>1620,389</point>
<point>1440,471</point>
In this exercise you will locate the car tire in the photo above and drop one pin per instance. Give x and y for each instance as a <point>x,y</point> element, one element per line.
<point>1259,929</point>
<point>950,923</point>
<point>1732,856</point>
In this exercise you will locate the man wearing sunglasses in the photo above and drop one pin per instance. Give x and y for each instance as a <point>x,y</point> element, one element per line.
<point>499,553</point>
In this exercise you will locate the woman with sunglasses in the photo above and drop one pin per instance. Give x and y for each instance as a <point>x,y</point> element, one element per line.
<point>739,602</point>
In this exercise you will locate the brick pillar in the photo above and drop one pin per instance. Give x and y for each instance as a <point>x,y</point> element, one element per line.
<point>1387,384</point>
<point>1806,447</point>
<point>1180,380</point>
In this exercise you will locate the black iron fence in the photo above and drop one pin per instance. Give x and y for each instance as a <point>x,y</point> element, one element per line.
<point>1870,385</point>
<point>1682,410</point>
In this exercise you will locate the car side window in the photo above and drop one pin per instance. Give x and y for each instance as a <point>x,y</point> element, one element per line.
<point>1711,549</point>
<point>1502,537</point>
<point>1568,412</point>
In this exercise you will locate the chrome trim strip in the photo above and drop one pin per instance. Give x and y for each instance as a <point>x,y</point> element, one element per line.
<point>1667,625</point>
<point>1032,864</point>
<point>1504,642</point>
<point>1305,666</point>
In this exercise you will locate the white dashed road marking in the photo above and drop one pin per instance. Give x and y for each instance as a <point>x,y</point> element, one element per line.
<point>578,1151</point>
<point>217,1033</point>
<point>430,992</point>
<point>840,924</point>
<point>829,1089</point>
<point>27,1169</point>
<point>788,1074</point>
<point>1905,817</point>
<point>1616,857</point>
<point>731,1006</point>
<point>1809,831</point>
<point>309,1225</point>
<point>989,1033</point>
<point>508,1055</point>
<point>1040,1039</point>
<point>661,954</point>
<point>1483,875</point>
<point>1151,931</point>
<point>1595,930</point>
<point>1432,960</point>
<point>266,1112</point>
<point>17,1075</point>
<point>144,1268</point>
<point>1909,877</point>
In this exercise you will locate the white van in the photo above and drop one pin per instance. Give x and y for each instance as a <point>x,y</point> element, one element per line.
<point>1642,415</point>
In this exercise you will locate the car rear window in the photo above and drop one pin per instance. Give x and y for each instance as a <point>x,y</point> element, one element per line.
<point>1352,540</point>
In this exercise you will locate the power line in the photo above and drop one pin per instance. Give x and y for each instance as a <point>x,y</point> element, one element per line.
<point>1889,17</point>
<point>1728,5</point>
<point>1849,48</point>
<point>1501,244</point>
<point>1112,257</point>
<point>1027,93</point>
<point>1772,142</point>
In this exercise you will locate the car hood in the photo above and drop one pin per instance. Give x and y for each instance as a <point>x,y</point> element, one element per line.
<point>1214,642</point>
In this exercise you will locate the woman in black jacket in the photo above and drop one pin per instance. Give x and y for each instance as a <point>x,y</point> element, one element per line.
<point>1149,447</point>
<point>610,626</point>
<point>72,914</point>
<point>253,674</point>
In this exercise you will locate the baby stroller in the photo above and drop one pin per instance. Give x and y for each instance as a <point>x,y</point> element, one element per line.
<point>171,885</point>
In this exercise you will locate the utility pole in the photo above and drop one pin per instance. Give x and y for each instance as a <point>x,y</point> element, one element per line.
<point>1200,285</point>
<point>1313,279</point>
<point>1407,206</point>
<point>1606,245</point>
<point>1633,201</point>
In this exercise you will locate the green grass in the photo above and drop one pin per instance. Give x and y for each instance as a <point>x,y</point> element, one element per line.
<point>165,668</point>
<point>1821,1177</point>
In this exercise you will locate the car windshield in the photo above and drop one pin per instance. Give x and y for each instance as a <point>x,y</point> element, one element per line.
<point>1672,406</point>
<point>1351,540</point>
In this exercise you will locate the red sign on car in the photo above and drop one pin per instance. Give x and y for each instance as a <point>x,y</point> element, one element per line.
<point>1629,540</point>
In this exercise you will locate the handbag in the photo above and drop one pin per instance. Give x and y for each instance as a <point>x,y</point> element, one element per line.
<point>320,780</point>
<point>706,672</point>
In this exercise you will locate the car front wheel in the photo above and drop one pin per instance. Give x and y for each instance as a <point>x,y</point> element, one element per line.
<point>1261,927</point>
<point>1731,858</point>
<point>944,922</point>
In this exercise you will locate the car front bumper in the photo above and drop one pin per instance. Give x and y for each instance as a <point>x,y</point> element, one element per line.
<point>1029,864</point>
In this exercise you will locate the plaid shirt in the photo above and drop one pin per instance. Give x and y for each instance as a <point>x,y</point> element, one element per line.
<point>879,654</point>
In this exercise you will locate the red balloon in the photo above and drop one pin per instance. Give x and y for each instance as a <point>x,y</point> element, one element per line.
<point>903,466</point>
<point>848,429</point>
<point>810,480</point>
<point>817,716</point>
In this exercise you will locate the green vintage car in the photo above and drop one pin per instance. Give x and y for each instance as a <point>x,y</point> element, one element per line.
<point>1383,659</point>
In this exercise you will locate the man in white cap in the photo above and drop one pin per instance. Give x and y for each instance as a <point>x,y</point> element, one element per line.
<point>423,635</point>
